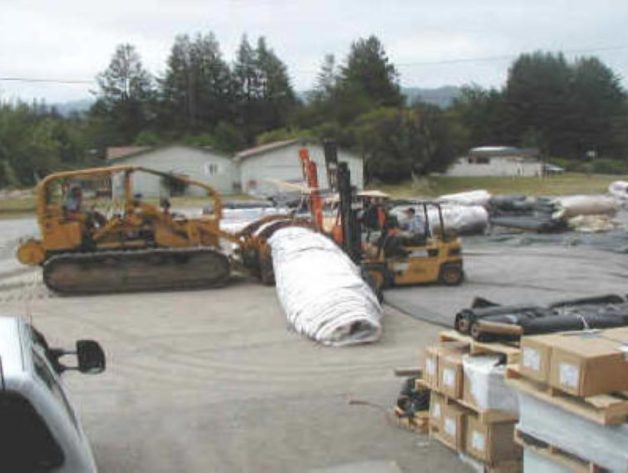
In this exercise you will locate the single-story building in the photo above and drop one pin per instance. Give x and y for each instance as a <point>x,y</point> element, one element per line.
<point>202,164</point>
<point>264,168</point>
<point>498,161</point>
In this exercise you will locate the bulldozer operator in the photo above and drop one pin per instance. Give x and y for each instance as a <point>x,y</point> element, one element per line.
<point>73,209</point>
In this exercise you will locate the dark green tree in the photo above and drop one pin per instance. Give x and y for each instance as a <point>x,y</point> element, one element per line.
<point>265,99</point>
<point>124,96</point>
<point>369,70</point>
<point>197,88</point>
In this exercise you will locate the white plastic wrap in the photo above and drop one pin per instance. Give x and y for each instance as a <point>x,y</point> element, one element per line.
<point>485,378</point>
<point>476,197</point>
<point>574,205</point>
<point>619,190</point>
<point>463,219</point>
<point>592,223</point>
<point>321,291</point>
<point>604,445</point>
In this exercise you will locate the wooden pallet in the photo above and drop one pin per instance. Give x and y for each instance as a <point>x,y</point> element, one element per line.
<point>491,416</point>
<point>435,433</point>
<point>512,351</point>
<point>605,409</point>
<point>568,460</point>
<point>418,424</point>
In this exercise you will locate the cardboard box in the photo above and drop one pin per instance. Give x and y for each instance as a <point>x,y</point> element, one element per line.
<point>491,443</point>
<point>450,371</point>
<point>453,426</point>
<point>535,357</point>
<point>589,364</point>
<point>437,402</point>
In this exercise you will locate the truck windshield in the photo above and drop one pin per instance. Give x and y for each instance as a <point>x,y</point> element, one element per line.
<point>26,443</point>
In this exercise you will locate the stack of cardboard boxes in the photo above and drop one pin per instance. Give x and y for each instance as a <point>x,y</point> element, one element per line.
<point>467,410</point>
<point>573,398</point>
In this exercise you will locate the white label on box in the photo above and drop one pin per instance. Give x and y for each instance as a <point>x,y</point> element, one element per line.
<point>531,359</point>
<point>436,411</point>
<point>568,375</point>
<point>478,441</point>
<point>430,366</point>
<point>450,426</point>
<point>449,377</point>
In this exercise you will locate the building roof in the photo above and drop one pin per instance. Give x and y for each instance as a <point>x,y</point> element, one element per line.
<point>117,152</point>
<point>503,151</point>
<point>133,151</point>
<point>247,153</point>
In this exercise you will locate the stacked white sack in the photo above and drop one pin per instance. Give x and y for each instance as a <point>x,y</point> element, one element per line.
<point>619,190</point>
<point>463,219</point>
<point>321,291</point>
<point>574,205</point>
<point>477,197</point>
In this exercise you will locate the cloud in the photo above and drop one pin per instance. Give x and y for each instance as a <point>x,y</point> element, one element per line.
<point>74,39</point>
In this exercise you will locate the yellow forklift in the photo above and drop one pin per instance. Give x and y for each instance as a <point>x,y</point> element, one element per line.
<point>390,256</point>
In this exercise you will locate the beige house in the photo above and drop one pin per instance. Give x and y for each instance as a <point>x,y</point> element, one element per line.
<point>498,161</point>
<point>264,168</point>
<point>262,171</point>
<point>202,164</point>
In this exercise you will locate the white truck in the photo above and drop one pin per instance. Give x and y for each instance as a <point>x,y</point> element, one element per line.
<point>39,428</point>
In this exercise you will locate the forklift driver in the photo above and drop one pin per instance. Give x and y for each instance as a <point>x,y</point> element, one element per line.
<point>412,223</point>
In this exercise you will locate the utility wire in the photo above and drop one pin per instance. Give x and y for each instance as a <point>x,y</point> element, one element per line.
<point>51,81</point>
<point>406,64</point>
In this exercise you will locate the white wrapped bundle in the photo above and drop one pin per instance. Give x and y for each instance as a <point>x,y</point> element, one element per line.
<point>321,291</point>
<point>476,197</point>
<point>619,190</point>
<point>463,219</point>
<point>575,205</point>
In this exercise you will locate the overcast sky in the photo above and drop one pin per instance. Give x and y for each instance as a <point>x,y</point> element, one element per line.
<point>74,39</point>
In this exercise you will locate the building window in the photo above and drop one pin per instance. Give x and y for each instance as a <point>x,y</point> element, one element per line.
<point>479,160</point>
<point>211,169</point>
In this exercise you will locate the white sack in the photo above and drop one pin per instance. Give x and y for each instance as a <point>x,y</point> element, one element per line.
<point>572,206</point>
<point>619,190</point>
<point>487,385</point>
<point>604,445</point>
<point>463,219</point>
<point>592,223</point>
<point>321,291</point>
<point>477,197</point>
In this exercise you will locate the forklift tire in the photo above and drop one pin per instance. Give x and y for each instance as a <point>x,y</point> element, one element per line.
<point>451,274</point>
<point>373,282</point>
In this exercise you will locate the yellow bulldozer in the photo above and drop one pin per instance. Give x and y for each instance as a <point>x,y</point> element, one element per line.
<point>131,243</point>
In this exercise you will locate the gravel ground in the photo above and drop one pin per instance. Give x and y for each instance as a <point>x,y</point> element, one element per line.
<point>215,381</point>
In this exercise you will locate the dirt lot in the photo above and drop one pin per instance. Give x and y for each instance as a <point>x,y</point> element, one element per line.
<point>215,381</point>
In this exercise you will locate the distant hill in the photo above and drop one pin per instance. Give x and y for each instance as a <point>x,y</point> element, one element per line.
<point>65,109</point>
<point>442,97</point>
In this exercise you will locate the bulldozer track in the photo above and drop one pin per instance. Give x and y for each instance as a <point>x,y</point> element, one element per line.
<point>136,270</point>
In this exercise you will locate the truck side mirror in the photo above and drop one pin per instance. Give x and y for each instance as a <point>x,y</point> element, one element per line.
<point>91,357</point>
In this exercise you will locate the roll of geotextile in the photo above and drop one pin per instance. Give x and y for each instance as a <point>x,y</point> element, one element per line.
<point>321,291</point>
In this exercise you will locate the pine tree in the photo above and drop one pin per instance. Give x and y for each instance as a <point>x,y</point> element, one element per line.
<point>124,96</point>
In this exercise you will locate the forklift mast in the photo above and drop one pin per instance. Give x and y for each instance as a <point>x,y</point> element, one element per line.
<point>310,174</point>
<point>331,163</point>
<point>351,228</point>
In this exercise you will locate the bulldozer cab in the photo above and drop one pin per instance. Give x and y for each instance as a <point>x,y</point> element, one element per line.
<point>100,208</point>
